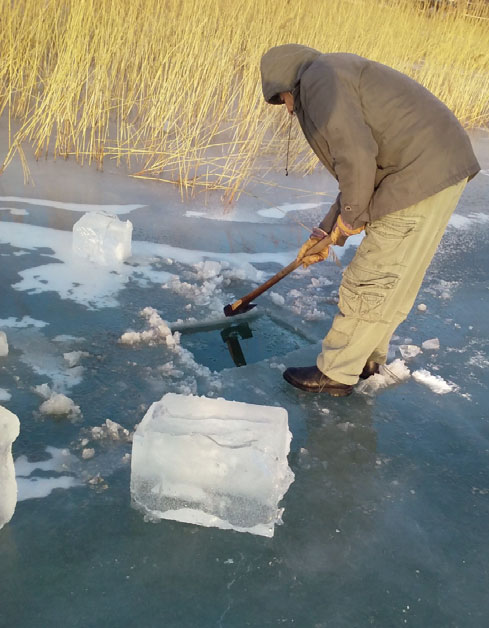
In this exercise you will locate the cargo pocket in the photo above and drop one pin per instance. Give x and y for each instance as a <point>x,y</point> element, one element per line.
<point>365,305</point>
<point>364,293</point>
<point>393,227</point>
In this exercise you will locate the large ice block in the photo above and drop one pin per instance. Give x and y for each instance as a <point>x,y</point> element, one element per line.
<point>3,344</point>
<point>102,238</point>
<point>212,462</point>
<point>9,430</point>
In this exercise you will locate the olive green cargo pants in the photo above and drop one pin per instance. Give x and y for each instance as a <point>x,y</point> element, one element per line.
<point>380,284</point>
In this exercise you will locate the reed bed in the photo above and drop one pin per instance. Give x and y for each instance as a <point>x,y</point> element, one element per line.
<point>171,89</point>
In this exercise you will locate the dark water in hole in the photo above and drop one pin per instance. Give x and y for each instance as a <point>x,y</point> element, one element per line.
<point>242,343</point>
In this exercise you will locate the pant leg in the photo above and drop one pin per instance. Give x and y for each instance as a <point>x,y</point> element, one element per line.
<point>380,285</point>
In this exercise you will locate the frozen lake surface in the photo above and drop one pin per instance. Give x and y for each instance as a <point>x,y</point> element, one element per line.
<point>386,523</point>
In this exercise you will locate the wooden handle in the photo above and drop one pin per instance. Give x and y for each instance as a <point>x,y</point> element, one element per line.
<point>321,244</point>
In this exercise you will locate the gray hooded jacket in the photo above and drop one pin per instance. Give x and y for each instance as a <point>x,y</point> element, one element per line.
<point>388,141</point>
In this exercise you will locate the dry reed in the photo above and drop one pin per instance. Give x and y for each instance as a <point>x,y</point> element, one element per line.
<point>172,88</point>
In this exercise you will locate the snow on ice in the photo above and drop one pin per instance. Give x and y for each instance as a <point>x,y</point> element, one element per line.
<point>9,430</point>
<point>212,462</point>
<point>434,382</point>
<point>31,486</point>
<point>74,207</point>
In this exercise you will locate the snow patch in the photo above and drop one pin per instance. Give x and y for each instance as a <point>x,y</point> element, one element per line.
<point>25,321</point>
<point>282,210</point>
<point>73,207</point>
<point>434,382</point>
<point>35,487</point>
<point>5,395</point>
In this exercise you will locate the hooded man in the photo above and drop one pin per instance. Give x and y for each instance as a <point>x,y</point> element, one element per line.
<point>402,160</point>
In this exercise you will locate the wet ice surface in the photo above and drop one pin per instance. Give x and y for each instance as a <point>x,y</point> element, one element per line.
<point>386,521</point>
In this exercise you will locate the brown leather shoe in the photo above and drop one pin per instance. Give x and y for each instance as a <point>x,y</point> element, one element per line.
<point>311,379</point>
<point>371,368</point>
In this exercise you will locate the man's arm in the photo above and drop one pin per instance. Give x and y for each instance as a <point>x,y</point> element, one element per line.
<point>333,105</point>
<point>329,221</point>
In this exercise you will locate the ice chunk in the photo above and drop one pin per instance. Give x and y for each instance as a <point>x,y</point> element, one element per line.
<point>73,357</point>
<point>409,351</point>
<point>158,331</point>
<point>3,344</point>
<point>433,344</point>
<point>212,462</point>
<point>9,430</point>
<point>102,238</point>
<point>110,430</point>
<point>60,405</point>
<point>422,307</point>
<point>277,298</point>
<point>388,375</point>
<point>56,404</point>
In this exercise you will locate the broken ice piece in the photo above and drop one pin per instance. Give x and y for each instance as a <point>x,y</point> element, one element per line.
<point>3,344</point>
<point>277,298</point>
<point>56,403</point>
<point>432,344</point>
<point>102,238</point>
<point>212,462</point>
<point>110,429</point>
<point>389,374</point>
<point>73,357</point>
<point>422,307</point>
<point>409,351</point>
<point>9,430</point>
<point>88,453</point>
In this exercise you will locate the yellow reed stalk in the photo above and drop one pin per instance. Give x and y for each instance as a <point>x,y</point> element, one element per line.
<point>172,89</point>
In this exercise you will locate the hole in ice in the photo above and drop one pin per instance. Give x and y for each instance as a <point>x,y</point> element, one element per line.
<point>241,343</point>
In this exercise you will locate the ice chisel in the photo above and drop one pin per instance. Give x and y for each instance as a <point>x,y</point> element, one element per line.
<point>244,304</point>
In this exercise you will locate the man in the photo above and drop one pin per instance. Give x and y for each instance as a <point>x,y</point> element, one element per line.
<point>401,160</point>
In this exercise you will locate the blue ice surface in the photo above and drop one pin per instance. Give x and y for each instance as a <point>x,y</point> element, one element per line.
<point>386,523</point>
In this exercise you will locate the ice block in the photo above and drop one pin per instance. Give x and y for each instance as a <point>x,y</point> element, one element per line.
<point>212,462</point>
<point>3,344</point>
<point>9,430</point>
<point>102,238</point>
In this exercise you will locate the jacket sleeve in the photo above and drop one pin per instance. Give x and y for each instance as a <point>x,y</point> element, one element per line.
<point>332,104</point>
<point>328,222</point>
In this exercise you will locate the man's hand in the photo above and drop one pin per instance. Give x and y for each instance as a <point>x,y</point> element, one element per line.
<point>342,230</point>
<point>316,235</point>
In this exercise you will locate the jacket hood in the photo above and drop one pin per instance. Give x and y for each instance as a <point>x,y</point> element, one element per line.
<point>282,67</point>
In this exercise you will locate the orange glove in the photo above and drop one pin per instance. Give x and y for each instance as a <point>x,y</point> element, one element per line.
<point>342,230</point>
<point>307,260</point>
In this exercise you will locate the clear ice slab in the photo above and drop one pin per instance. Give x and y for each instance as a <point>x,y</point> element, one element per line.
<point>102,238</point>
<point>9,430</point>
<point>212,462</point>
